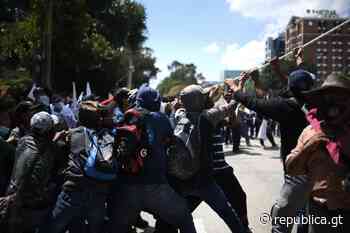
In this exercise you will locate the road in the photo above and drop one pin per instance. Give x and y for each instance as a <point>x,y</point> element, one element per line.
<point>260,174</point>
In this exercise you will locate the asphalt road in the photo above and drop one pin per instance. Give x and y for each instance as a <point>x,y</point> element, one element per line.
<point>260,174</point>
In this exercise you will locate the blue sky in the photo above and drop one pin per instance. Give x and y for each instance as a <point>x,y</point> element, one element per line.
<point>220,34</point>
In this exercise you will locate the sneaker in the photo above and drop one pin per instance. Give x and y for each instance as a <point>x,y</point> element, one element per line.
<point>141,223</point>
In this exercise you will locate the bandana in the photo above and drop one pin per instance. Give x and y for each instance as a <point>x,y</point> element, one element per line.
<point>334,145</point>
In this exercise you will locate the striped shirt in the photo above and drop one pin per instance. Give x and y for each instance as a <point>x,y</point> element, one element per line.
<point>219,162</point>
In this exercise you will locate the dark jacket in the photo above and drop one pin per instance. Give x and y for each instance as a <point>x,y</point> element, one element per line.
<point>7,157</point>
<point>285,111</point>
<point>34,160</point>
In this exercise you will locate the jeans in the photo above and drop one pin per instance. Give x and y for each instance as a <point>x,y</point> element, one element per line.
<point>78,206</point>
<point>158,199</point>
<point>337,220</point>
<point>293,196</point>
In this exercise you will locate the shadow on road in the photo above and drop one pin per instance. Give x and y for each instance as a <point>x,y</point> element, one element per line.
<point>242,152</point>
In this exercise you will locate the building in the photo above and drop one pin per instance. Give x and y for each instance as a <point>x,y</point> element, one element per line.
<point>329,54</point>
<point>274,47</point>
<point>226,74</point>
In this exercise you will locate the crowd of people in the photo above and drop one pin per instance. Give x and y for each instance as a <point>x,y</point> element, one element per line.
<point>92,166</point>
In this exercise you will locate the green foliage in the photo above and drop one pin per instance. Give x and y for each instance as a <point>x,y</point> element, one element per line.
<point>91,41</point>
<point>271,81</point>
<point>181,75</point>
<point>14,84</point>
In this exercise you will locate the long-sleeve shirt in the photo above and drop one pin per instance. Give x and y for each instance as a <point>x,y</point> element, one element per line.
<point>285,111</point>
<point>325,175</point>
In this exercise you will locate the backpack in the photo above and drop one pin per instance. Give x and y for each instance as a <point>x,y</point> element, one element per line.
<point>183,153</point>
<point>99,162</point>
<point>132,144</point>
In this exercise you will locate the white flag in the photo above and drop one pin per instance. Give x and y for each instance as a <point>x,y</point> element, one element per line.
<point>74,92</point>
<point>81,96</point>
<point>31,93</point>
<point>88,89</point>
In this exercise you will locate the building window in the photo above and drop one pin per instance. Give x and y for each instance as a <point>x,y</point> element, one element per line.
<point>340,65</point>
<point>318,42</point>
<point>318,50</point>
<point>340,43</point>
<point>340,57</point>
<point>334,50</point>
<point>310,23</point>
<point>324,57</point>
<point>324,65</point>
<point>324,50</point>
<point>340,50</point>
<point>334,42</point>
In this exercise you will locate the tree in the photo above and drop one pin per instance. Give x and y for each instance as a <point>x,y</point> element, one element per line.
<point>91,41</point>
<point>181,75</point>
<point>271,82</point>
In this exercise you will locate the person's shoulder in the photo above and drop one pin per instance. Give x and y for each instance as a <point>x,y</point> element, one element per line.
<point>308,133</point>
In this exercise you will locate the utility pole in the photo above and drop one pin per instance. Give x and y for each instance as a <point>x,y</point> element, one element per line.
<point>46,79</point>
<point>131,68</point>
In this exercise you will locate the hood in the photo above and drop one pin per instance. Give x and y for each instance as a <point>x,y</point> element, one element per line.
<point>194,98</point>
<point>148,98</point>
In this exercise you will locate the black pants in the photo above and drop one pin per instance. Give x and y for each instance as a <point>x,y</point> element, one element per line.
<point>228,135</point>
<point>234,192</point>
<point>236,138</point>
<point>270,136</point>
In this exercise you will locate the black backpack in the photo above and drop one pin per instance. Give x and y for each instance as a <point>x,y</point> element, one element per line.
<point>183,154</point>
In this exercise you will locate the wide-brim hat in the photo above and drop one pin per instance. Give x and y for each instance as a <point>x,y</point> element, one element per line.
<point>332,83</point>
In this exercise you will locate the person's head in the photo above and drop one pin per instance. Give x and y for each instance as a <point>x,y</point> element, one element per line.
<point>121,98</point>
<point>42,125</point>
<point>332,100</point>
<point>41,96</point>
<point>22,114</point>
<point>194,98</point>
<point>57,102</point>
<point>298,82</point>
<point>148,98</point>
